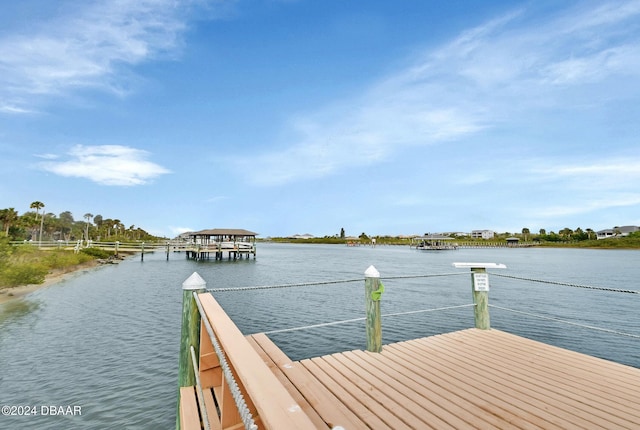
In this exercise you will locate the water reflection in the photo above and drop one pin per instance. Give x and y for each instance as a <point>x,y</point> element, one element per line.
<point>16,309</point>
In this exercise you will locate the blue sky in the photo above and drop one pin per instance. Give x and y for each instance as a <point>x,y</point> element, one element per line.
<point>298,116</point>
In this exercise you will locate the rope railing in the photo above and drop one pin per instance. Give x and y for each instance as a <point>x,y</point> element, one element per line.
<point>395,314</point>
<point>591,327</point>
<point>307,284</point>
<point>566,284</point>
<point>268,287</point>
<point>433,275</point>
<point>238,398</point>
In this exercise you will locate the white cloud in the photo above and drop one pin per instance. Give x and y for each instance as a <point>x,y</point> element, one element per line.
<point>502,72</point>
<point>107,165</point>
<point>595,203</point>
<point>13,109</point>
<point>179,230</point>
<point>86,46</point>
<point>596,176</point>
<point>564,190</point>
<point>48,156</point>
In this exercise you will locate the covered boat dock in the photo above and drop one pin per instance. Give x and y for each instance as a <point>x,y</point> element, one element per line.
<point>434,242</point>
<point>234,242</point>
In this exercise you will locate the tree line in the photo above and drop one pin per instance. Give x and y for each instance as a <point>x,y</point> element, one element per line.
<point>38,225</point>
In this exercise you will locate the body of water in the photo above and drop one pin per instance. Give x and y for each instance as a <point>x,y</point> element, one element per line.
<point>105,341</point>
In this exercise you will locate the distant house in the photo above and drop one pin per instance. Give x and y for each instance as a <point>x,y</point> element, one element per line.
<point>302,236</point>
<point>457,233</point>
<point>482,234</point>
<point>617,231</point>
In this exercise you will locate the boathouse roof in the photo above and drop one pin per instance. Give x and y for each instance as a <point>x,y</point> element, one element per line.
<point>223,232</point>
<point>435,236</point>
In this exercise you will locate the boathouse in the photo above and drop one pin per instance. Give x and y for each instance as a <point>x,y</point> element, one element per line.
<point>233,242</point>
<point>512,241</point>
<point>434,242</point>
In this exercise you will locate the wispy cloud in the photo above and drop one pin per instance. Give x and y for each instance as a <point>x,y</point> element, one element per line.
<point>498,73</point>
<point>88,45</point>
<point>12,109</point>
<point>179,230</point>
<point>598,175</point>
<point>107,165</point>
<point>565,190</point>
<point>594,204</point>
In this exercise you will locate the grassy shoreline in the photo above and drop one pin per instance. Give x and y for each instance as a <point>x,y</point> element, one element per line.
<point>55,266</point>
<point>27,269</point>
<point>11,293</point>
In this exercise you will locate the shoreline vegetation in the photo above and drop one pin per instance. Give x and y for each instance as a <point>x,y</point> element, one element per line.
<point>10,293</point>
<point>627,242</point>
<point>24,270</point>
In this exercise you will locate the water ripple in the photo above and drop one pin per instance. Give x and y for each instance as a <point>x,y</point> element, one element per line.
<point>108,340</point>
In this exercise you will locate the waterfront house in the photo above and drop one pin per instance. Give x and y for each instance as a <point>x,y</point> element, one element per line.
<point>482,234</point>
<point>617,231</point>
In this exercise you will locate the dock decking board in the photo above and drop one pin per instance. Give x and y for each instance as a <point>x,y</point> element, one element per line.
<point>483,379</point>
<point>509,388</point>
<point>311,397</point>
<point>547,378</point>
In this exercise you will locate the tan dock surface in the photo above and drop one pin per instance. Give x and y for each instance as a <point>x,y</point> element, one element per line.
<point>470,379</point>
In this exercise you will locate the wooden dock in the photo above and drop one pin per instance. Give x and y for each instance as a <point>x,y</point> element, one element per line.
<point>470,379</point>
<point>235,243</point>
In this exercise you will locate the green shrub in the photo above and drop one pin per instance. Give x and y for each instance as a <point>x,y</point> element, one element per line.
<point>59,259</point>
<point>23,274</point>
<point>96,252</point>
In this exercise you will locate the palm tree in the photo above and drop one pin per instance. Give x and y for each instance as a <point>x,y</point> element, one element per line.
<point>8,216</point>
<point>116,226</point>
<point>37,206</point>
<point>98,221</point>
<point>88,217</point>
<point>589,232</point>
<point>525,233</point>
<point>66,224</point>
<point>566,232</point>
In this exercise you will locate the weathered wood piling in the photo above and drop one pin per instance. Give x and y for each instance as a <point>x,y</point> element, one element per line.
<point>373,289</point>
<point>190,333</point>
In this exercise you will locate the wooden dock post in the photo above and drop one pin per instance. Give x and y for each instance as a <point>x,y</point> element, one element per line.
<point>480,291</point>
<point>190,333</point>
<point>373,291</point>
<point>142,253</point>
